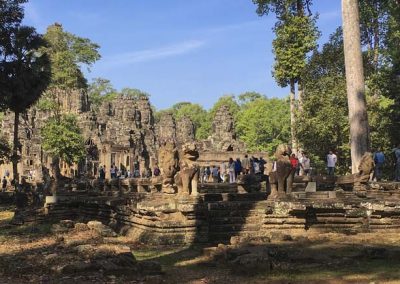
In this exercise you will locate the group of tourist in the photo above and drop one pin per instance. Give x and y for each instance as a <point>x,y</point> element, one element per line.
<point>126,173</point>
<point>229,171</point>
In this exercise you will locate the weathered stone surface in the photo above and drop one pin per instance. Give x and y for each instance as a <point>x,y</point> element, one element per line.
<point>102,229</point>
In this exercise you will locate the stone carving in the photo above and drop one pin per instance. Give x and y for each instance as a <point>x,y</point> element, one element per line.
<point>168,163</point>
<point>185,130</point>
<point>166,128</point>
<point>223,129</point>
<point>281,178</point>
<point>188,175</point>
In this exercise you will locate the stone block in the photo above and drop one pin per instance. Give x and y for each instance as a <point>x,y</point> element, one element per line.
<point>311,187</point>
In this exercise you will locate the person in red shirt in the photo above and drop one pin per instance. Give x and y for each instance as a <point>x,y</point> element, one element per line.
<point>295,163</point>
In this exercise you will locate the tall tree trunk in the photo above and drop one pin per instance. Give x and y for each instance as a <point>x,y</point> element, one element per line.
<point>15,157</point>
<point>300,94</point>
<point>358,119</point>
<point>292,116</point>
<point>56,172</point>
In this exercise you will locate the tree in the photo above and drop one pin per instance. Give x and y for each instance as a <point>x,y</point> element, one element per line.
<point>296,35</point>
<point>62,139</point>
<point>67,53</point>
<point>198,115</point>
<point>248,97</point>
<point>100,90</point>
<point>24,74</point>
<point>134,93</point>
<point>264,123</point>
<point>358,118</point>
<point>230,102</point>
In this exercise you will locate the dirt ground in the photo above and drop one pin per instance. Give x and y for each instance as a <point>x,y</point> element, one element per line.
<point>36,253</point>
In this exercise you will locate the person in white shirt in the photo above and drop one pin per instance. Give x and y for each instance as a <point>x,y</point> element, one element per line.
<point>331,160</point>
<point>305,164</point>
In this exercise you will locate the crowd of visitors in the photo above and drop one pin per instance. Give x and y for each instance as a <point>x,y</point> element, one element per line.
<point>230,170</point>
<point>122,172</point>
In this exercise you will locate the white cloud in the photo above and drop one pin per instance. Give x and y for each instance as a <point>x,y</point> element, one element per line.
<point>327,16</point>
<point>152,53</point>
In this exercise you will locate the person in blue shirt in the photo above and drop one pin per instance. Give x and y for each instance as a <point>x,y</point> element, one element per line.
<point>379,159</point>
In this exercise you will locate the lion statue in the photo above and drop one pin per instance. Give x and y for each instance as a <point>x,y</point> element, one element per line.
<point>188,174</point>
<point>282,174</point>
<point>168,163</point>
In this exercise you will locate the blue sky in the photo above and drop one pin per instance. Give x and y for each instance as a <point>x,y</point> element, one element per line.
<point>178,50</point>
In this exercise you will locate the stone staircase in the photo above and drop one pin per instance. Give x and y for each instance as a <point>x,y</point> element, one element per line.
<point>231,214</point>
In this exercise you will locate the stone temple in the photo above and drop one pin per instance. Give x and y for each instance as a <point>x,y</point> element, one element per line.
<point>121,132</point>
<point>176,208</point>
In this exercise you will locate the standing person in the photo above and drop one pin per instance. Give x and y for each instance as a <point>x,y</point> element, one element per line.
<point>305,164</point>
<point>295,163</point>
<point>215,174</point>
<point>4,184</point>
<point>156,171</point>
<point>238,167</point>
<point>331,161</point>
<point>231,167</point>
<point>397,160</point>
<point>207,173</point>
<point>379,159</point>
<point>246,165</point>
<point>113,171</point>
<point>262,165</point>
<point>222,171</point>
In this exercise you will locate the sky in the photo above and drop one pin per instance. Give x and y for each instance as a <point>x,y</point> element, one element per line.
<point>178,50</point>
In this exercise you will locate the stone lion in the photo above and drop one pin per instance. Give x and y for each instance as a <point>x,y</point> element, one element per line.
<point>168,163</point>
<point>281,177</point>
<point>188,174</point>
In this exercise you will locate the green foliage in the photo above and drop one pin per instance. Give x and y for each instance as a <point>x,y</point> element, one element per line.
<point>5,150</point>
<point>249,97</point>
<point>295,37</point>
<point>323,125</point>
<point>62,138</point>
<point>134,93</point>
<point>197,114</point>
<point>67,53</point>
<point>264,123</point>
<point>230,102</point>
<point>282,7</point>
<point>100,90</point>
<point>24,70</point>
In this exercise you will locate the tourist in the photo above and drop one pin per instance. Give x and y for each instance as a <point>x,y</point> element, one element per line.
<point>207,173</point>
<point>4,184</point>
<point>102,173</point>
<point>222,172</point>
<point>331,161</point>
<point>136,173</point>
<point>238,167</point>
<point>397,161</point>
<point>305,164</point>
<point>113,171</point>
<point>215,174</point>
<point>262,163</point>
<point>256,166</point>
<point>156,171</point>
<point>201,174</point>
<point>246,165</point>
<point>295,163</point>
<point>231,167</point>
<point>379,159</point>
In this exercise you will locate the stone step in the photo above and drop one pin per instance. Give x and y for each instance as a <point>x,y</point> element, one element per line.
<point>235,220</point>
<point>215,197</point>
<point>217,188</point>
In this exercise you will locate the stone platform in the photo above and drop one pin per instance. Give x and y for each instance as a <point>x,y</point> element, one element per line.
<point>219,213</point>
